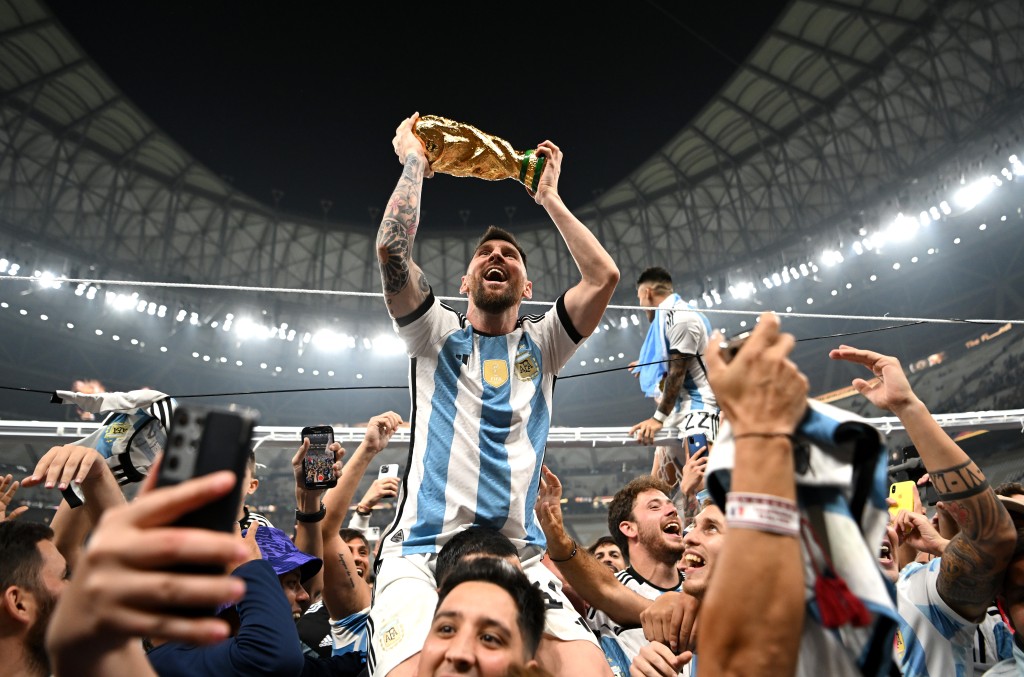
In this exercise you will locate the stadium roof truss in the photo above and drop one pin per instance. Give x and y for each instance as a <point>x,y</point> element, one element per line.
<point>838,112</point>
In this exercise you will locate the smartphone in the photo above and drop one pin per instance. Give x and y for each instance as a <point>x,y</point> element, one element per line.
<point>372,534</point>
<point>903,494</point>
<point>318,463</point>
<point>694,443</point>
<point>388,470</point>
<point>732,346</point>
<point>203,440</point>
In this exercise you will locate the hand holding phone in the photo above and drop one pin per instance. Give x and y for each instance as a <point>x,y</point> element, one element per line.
<point>318,458</point>
<point>201,441</point>
<point>902,496</point>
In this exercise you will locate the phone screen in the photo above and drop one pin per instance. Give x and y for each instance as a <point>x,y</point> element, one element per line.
<point>318,463</point>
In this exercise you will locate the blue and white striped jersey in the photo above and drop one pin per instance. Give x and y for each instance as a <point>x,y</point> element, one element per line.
<point>933,639</point>
<point>686,333</point>
<point>481,410</point>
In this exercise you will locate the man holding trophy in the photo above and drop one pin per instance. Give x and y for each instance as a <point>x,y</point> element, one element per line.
<point>481,391</point>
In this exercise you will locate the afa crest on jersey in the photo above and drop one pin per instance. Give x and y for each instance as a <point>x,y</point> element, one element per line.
<point>526,367</point>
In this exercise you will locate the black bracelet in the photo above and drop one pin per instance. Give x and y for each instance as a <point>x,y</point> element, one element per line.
<point>309,517</point>
<point>571,554</point>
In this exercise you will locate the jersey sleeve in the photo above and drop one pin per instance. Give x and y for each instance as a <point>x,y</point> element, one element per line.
<point>556,335</point>
<point>424,328</point>
<point>686,334</point>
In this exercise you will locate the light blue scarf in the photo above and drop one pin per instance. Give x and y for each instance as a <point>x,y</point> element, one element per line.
<point>655,349</point>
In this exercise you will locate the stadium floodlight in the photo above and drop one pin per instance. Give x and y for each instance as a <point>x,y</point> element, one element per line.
<point>3,265</point>
<point>246,328</point>
<point>858,248</point>
<point>925,218</point>
<point>767,283</point>
<point>973,193</point>
<point>1016,165</point>
<point>330,340</point>
<point>776,279</point>
<point>715,295</point>
<point>389,344</point>
<point>934,213</point>
<point>741,290</point>
<point>903,228</point>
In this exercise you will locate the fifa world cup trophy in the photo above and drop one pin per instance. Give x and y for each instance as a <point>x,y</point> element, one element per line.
<point>463,150</point>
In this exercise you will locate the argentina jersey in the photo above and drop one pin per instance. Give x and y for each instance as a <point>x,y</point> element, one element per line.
<point>933,639</point>
<point>686,333</point>
<point>480,420</point>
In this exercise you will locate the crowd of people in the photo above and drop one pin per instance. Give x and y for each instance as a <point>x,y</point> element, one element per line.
<point>760,544</point>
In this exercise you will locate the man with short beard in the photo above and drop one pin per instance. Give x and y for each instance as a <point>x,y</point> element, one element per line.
<point>32,575</point>
<point>481,392</point>
<point>646,527</point>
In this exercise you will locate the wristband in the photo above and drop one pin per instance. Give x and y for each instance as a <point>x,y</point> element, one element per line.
<point>571,554</point>
<point>762,512</point>
<point>362,510</point>
<point>309,517</point>
<point>659,417</point>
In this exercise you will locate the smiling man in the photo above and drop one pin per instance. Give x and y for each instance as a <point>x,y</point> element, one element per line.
<point>481,387</point>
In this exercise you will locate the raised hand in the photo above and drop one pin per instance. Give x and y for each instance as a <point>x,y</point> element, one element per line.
<point>889,389</point>
<point>380,429</point>
<point>65,464</point>
<point>9,487</point>
<point>548,185</point>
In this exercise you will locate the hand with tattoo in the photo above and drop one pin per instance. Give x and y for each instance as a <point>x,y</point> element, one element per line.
<point>407,143</point>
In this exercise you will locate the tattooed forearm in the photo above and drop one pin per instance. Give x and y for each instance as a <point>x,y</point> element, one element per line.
<point>673,384</point>
<point>393,254</point>
<point>959,482</point>
<point>967,578</point>
<point>344,565</point>
<point>398,228</point>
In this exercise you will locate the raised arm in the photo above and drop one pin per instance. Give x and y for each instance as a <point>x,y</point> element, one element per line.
<point>308,501</point>
<point>975,559</point>
<point>69,464</point>
<point>345,592</point>
<point>594,582</point>
<point>586,302</point>
<point>764,396</point>
<point>405,287</point>
<point>646,430</point>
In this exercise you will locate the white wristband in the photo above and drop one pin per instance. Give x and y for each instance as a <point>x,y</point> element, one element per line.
<point>659,417</point>
<point>762,512</point>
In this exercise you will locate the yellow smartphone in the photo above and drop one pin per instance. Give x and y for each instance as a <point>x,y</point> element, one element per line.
<point>903,494</point>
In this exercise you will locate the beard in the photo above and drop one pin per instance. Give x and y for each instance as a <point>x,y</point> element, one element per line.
<point>493,302</point>
<point>653,540</point>
<point>35,639</point>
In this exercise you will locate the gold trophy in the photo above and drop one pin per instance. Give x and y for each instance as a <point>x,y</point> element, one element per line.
<point>463,150</point>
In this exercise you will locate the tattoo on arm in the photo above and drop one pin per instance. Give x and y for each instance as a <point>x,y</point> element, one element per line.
<point>959,482</point>
<point>973,563</point>
<point>673,383</point>
<point>351,582</point>
<point>398,228</point>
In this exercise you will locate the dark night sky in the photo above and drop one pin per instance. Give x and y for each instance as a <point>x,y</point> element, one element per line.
<point>304,97</point>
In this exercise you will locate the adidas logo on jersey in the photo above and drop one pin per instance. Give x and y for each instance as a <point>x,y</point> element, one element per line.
<point>398,537</point>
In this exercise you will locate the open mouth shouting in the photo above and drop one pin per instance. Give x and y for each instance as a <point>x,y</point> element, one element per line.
<point>495,274</point>
<point>693,562</point>
<point>673,528</point>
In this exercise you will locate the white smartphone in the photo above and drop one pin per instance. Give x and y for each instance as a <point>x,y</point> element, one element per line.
<point>388,470</point>
<point>372,533</point>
